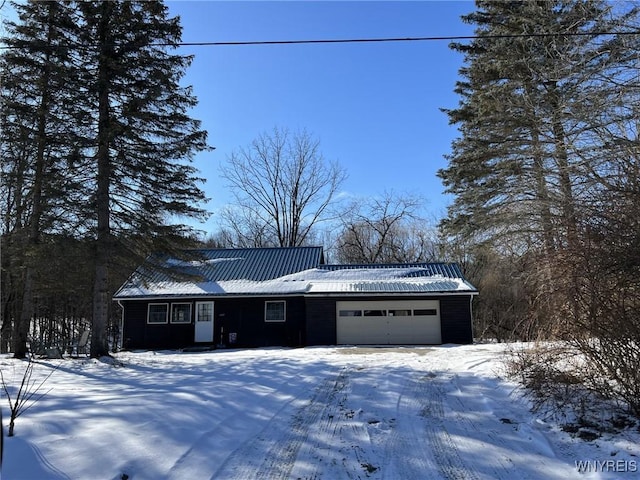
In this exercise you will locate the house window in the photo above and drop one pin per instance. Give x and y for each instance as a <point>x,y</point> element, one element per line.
<point>274,311</point>
<point>158,313</point>
<point>180,313</point>
<point>399,313</point>
<point>204,311</point>
<point>426,311</point>
<point>375,313</point>
<point>350,313</point>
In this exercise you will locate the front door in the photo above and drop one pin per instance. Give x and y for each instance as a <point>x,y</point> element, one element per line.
<point>204,322</point>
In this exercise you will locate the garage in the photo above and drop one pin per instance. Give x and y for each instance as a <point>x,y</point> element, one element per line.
<point>395,322</point>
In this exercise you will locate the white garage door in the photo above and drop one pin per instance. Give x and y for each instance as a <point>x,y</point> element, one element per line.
<point>411,322</point>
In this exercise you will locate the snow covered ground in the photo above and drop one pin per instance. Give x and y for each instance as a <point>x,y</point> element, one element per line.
<point>326,413</point>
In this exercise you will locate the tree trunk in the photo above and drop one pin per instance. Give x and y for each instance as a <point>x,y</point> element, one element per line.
<point>564,175</point>
<point>542,195</point>
<point>101,304</point>
<point>27,311</point>
<point>567,204</point>
<point>21,331</point>
<point>101,294</point>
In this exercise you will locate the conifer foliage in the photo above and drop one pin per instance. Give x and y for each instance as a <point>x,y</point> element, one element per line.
<point>38,184</point>
<point>118,139</point>
<point>530,107</point>
<point>548,151</point>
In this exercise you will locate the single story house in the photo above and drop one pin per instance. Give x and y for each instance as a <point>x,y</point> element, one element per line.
<point>251,297</point>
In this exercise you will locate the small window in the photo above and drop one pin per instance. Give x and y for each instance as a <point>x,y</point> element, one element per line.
<point>399,313</point>
<point>180,313</point>
<point>375,313</point>
<point>158,313</point>
<point>350,313</point>
<point>426,311</point>
<point>204,312</point>
<point>274,311</point>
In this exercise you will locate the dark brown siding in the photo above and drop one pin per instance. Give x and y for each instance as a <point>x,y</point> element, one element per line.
<point>309,321</point>
<point>137,333</point>
<point>321,321</point>
<point>455,319</point>
<point>243,317</point>
<point>135,314</point>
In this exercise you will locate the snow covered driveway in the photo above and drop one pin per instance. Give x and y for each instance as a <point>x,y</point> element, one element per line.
<point>330,413</point>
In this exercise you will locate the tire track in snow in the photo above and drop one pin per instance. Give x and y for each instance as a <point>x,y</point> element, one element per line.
<point>503,468</point>
<point>198,454</point>
<point>320,447</point>
<point>404,438</point>
<point>346,450</point>
<point>494,436</point>
<point>442,445</point>
<point>279,443</point>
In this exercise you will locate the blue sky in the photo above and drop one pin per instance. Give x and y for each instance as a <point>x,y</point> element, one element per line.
<point>375,107</point>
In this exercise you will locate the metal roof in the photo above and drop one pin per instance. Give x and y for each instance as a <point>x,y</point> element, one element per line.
<point>224,264</point>
<point>430,269</point>
<point>257,264</point>
<point>255,271</point>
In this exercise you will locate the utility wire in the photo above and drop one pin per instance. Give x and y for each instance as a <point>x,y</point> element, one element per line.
<point>354,40</point>
<point>395,39</point>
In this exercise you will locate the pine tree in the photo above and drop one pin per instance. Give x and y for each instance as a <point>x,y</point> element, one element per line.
<point>97,144</point>
<point>144,138</point>
<point>541,85</point>
<point>36,143</point>
<point>527,106</point>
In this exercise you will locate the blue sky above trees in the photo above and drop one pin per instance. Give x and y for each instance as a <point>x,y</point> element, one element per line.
<point>374,106</point>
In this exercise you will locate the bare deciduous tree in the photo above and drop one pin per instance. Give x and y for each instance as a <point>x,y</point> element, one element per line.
<point>282,188</point>
<point>26,395</point>
<point>386,229</point>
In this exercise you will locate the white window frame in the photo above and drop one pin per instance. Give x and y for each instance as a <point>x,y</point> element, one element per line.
<point>166,313</point>
<point>210,312</point>
<point>284,311</point>
<point>185,322</point>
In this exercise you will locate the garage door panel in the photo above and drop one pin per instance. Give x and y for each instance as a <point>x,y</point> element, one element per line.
<point>366,330</point>
<point>428,329</point>
<point>360,323</point>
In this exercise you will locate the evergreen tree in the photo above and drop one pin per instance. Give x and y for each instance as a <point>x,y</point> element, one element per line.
<point>527,106</point>
<point>539,83</point>
<point>97,144</point>
<point>545,174</point>
<point>143,138</point>
<point>37,108</point>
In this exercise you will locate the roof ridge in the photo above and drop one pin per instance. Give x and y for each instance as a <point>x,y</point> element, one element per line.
<point>386,265</point>
<point>221,249</point>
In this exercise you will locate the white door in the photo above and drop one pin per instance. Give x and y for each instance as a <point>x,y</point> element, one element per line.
<point>409,322</point>
<point>204,322</point>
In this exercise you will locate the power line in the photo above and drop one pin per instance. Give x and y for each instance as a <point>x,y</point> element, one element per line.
<point>394,39</point>
<point>355,40</point>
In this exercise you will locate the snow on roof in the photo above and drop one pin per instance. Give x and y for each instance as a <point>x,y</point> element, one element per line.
<point>322,280</point>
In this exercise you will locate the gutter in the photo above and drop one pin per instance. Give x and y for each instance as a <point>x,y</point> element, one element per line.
<point>295,294</point>
<point>121,326</point>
